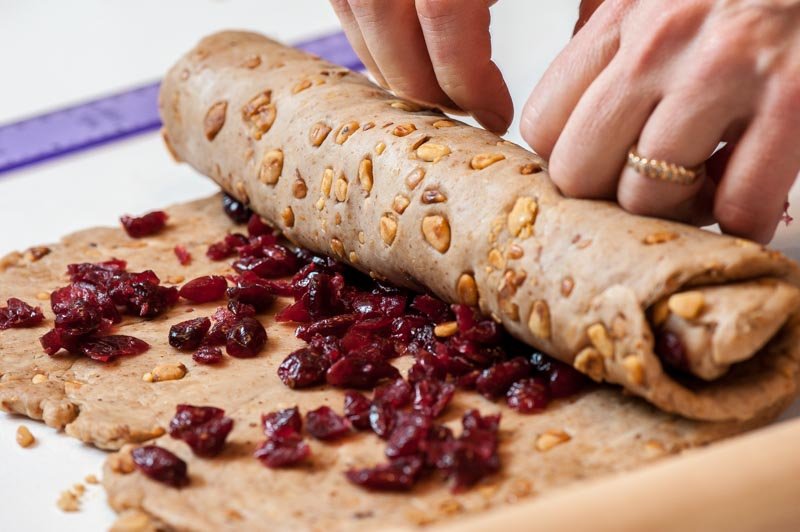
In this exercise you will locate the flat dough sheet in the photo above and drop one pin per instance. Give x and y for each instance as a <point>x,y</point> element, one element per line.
<point>109,405</point>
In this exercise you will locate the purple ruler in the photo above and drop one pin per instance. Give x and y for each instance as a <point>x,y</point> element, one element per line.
<point>118,116</point>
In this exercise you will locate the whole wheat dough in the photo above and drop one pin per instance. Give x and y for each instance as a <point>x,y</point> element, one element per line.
<point>109,405</point>
<point>345,168</point>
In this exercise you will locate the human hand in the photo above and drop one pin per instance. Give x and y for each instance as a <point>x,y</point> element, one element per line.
<point>433,51</point>
<point>676,79</point>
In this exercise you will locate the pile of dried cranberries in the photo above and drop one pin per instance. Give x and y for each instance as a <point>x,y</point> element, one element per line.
<point>354,326</point>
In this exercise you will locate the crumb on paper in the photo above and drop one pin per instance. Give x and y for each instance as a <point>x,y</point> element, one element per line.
<point>24,437</point>
<point>68,501</point>
<point>91,479</point>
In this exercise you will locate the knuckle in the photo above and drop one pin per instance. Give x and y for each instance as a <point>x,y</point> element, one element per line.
<point>563,174</point>
<point>743,218</point>
<point>635,201</point>
<point>435,9</point>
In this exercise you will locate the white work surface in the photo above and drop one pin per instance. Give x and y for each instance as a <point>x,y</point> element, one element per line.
<point>56,53</point>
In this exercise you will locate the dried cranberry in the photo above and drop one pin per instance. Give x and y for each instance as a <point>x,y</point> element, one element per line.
<point>256,245</point>
<point>474,328</point>
<point>207,355</point>
<point>377,305</point>
<point>328,347</point>
<point>382,419</point>
<point>184,257</point>
<point>142,295</point>
<point>282,424</point>
<point>188,335</point>
<point>426,367</point>
<point>670,349</point>
<point>496,380</point>
<point>241,310</point>
<point>235,209</point>
<point>82,309</point>
<point>253,290</point>
<point>246,338</point>
<point>109,347</point>
<point>224,321</point>
<point>471,456</point>
<point>432,397</point>
<point>359,370</point>
<point>141,226</point>
<point>334,326</point>
<point>473,420</point>
<point>302,369</point>
<point>434,309</point>
<point>18,314</point>
<point>399,474</point>
<point>282,453</point>
<point>565,380</point>
<point>226,247</point>
<point>257,226</point>
<point>276,261</point>
<point>161,465</point>
<point>204,289</point>
<point>356,410</point>
<point>396,393</point>
<point>203,428</point>
<point>408,436</point>
<point>325,424</point>
<point>528,395</point>
<point>101,274</point>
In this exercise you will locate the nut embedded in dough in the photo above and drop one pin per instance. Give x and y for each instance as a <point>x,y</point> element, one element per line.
<point>401,130</point>
<point>167,372</point>
<point>318,134</point>
<point>400,203</point>
<point>365,175</point>
<point>687,305</point>
<point>598,335</point>
<point>660,237</point>
<point>215,119</point>
<point>439,124</point>
<point>340,188</point>
<point>346,131</point>
<point>432,195</point>
<point>467,290</point>
<point>271,167</point>
<point>522,217</point>
<point>551,438</point>
<point>388,229</point>
<point>431,152</point>
<point>484,160</point>
<point>539,320</point>
<point>436,230</point>
<point>301,86</point>
<point>590,362</point>
<point>327,182</point>
<point>287,215</point>
<point>299,188</point>
<point>259,113</point>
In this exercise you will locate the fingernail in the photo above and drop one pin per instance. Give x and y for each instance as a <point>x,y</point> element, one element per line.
<point>491,121</point>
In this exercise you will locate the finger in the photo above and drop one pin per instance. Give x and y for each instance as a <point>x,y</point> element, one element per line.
<point>353,33</point>
<point>552,101</point>
<point>684,129</point>
<point>593,147</point>
<point>457,37</point>
<point>750,198</point>
<point>393,35</point>
<point>585,12</point>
